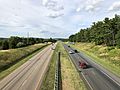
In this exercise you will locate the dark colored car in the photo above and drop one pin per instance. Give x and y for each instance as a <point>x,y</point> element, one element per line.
<point>68,46</point>
<point>82,65</point>
<point>75,51</point>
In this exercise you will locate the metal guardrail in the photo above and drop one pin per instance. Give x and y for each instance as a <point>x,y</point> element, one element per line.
<point>58,80</point>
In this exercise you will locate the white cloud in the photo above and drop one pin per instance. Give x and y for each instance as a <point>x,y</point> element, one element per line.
<point>55,15</point>
<point>34,16</point>
<point>45,2</point>
<point>115,6</point>
<point>90,8</point>
<point>78,9</point>
<point>94,2</point>
<point>90,5</point>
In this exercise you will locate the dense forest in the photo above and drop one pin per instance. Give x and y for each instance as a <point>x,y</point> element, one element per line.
<point>17,42</point>
<point>106,32</point>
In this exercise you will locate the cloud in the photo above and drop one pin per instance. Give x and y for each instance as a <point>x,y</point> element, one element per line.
<point>90,8</point>
<point>115,6</point>
<point>59,17</point>
<point>55,15</point>
<point>90,5</point>
<point>78,9</point>
<point>53,5</point>
<point>45,2</point>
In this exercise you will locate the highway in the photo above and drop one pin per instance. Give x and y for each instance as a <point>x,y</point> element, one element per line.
<point>30,75</point>
<point>94,76</point>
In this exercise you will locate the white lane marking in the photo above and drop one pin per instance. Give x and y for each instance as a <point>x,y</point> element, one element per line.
<point>49,56</point>
<point>110,77</point>
<point>96,64</point>
<point>24,82</point>
<point>87,82</point>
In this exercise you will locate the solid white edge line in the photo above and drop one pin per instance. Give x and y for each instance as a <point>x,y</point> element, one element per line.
<point>87,82</point>
<point>110,77</point>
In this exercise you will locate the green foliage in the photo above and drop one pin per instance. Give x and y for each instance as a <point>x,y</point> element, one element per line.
<point>20,44</point>
<point>13,41</point>
<point>12,56</point>
<point>5,45</point>
<point>105,32</point>
<point>17,42</point>
<point>118,39</point>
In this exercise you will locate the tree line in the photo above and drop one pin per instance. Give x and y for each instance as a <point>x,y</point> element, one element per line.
<point>17,42</point>
<point>106,32</point>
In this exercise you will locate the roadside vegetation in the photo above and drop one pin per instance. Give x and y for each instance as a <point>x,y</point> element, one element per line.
<point>70,77</point>
<point>106,32</point>
<point>18,42</point>
<point>13,58</point>
<point>108,57</point>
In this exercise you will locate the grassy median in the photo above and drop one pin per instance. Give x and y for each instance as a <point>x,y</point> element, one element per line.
<point>70,77</point>
<point>108,57</point>
<point>13,58</point>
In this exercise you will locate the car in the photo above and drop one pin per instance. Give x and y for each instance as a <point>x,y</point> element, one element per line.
<point>75,51</point>
<point>82,65</point>
<point>71,52</point>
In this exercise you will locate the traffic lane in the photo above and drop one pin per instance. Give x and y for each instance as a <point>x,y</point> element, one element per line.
<point>28,76</point>
<point>97,80</point>
<point>34,80</point>
<point>17,72</point>
<point>11,79</point>
<point>110,75</point>
<point>106,72</point>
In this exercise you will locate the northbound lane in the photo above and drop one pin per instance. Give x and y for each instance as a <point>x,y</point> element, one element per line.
<point>96,79</point>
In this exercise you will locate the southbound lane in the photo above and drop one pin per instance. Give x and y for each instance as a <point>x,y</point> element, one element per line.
<point>95,79</point>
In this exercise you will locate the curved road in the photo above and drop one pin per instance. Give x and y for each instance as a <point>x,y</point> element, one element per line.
<point>29,76</point>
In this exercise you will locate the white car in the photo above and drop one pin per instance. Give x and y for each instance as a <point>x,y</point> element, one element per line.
<point>71,52</point>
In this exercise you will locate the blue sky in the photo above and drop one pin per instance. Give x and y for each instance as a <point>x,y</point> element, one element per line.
<point>52,18</point>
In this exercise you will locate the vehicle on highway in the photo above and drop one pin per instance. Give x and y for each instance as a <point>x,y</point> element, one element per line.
<point>68,46</point>
<point>71,52</point>
<point>82,65</point>
<point>75,51</point>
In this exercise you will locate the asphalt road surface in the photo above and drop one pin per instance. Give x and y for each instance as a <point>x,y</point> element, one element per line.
<point>93,76</point>
<point>30,75</point>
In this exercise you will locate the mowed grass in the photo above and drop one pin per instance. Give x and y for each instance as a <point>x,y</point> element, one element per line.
<point>108,57</point>
<point>70,77</point>
<point>12,59</point>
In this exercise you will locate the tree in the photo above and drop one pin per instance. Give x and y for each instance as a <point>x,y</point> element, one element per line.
<point>118,38</point>
<point>101,32</point>
<point>13,41</point>
<point>5,45</point>
<point>20,44</point>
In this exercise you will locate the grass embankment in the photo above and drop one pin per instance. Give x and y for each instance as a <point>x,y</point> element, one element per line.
<point>108,57</point>
<point>70,77</point>
<point>13,58</point>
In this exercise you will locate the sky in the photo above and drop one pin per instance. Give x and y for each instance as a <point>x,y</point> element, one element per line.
<point>52,18</point>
